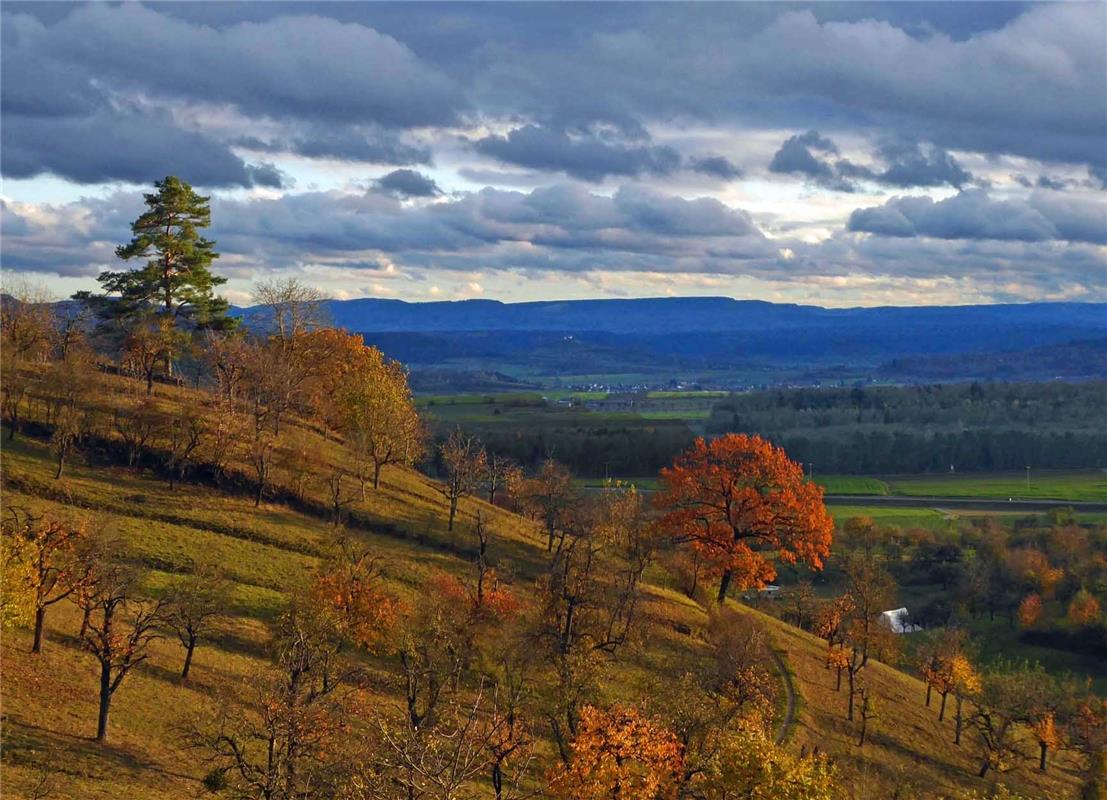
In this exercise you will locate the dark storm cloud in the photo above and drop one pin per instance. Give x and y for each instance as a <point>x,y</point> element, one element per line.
<point>588,156</point>
<point>130,146</point>
<point>972,214</point>
<point>797,156</point>
<point>715,166</point>
<point>907,163</point>
<point>352,143</point>
<point>407,183</point>
<point>1028,81</point>
<point>910,165</point>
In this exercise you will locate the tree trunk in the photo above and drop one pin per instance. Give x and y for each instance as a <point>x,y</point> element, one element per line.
<point>188,657</point>
<point>838,685</point>
<point>957,729</point>
<point>105,703</point>
<point>61,465</point>
<point>1043,749</point>
<point>149,382</point>
<point>84,623</point>
<point>724,585</point>
<point>942,708</point>
<point>849,713</point>
<point>929,688</point>
<point>261,491</point>
<point>498,780</point>
<point>40,623</point>
<point>453,513</point>
<point>983,769</point>
<point>864,725</point>
<point>376,476</point>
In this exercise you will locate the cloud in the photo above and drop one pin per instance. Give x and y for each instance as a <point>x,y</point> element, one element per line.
<point>550,234</point>
<point>910,165</point>
<point>796,156</point>
<point>306,66</point>
<point>100,95</point>
<point>407,183</point>
<point>972,214</point>
<point>134,146</point>
<point>715,166</point>
<point>907,164</point>
<point>588,157</point>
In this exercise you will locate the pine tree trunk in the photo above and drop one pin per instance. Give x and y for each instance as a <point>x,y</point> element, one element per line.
<point>40,624</point>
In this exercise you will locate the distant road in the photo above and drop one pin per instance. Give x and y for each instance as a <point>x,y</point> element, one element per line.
<point>968,503</point>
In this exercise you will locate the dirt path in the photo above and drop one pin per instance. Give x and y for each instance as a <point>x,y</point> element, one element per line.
<point>790,696</point>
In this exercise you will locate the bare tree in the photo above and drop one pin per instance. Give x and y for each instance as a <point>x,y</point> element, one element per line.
<point>192,604</point>
<point>289,307</point>
<point>463,459</point>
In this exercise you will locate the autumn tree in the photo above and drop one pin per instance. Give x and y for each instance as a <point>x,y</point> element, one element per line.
<point>966,684</point>
<point>379,418</point>
<point>1002,704</point>
<point>868,713</point>
<point>183,434</point>
<point>737,497</point>
<point>872,591</point>
<point>619,753</point>
<point>463,461</point>
<point>26,328</point>
<point>349,594</point>
<point>500,473</point>
<point>1083,610</point>
<point>550,495</point>
<point>119,629</point>
<point>41,555</point>
<point>192,604</point>
<point>282,744</point>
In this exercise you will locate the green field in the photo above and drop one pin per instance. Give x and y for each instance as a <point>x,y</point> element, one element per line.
<point>1075,485</point>
<point>851,484</point>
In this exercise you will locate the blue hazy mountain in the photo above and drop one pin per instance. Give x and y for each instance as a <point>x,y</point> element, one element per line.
<point>670,336</point>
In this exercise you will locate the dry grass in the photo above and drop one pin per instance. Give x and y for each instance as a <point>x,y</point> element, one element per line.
<point>49,700</point>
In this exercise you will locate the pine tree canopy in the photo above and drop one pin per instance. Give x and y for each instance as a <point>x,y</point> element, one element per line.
<point>176,279</point>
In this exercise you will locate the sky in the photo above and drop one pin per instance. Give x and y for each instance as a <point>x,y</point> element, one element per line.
<point>833,154</point>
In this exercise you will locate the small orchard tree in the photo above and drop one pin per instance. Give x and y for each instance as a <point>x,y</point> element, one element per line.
<point>550,496</point>
<point>42,563</point>
<point>620,753</point>
<point>737,496</point>
<point>119,628</point>
<point>463,459</point>
<point>191,607</point>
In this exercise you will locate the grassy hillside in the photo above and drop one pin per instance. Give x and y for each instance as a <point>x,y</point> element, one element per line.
<point>271,551</point>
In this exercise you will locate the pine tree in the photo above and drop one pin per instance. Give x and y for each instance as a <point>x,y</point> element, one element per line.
<point>177,278</point>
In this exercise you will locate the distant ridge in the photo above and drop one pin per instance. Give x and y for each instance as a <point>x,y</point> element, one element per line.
<point>652,316</point>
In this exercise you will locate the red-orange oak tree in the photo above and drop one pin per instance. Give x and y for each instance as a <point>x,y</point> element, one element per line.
<point>737,498</point>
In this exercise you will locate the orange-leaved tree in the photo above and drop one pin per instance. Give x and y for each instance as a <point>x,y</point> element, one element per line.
<point>737,498</point>
<point>621,754</point>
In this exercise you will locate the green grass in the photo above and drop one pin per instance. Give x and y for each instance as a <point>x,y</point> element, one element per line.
<point>1087,485</point>
<point>851,484</point>
<point>903,517</point>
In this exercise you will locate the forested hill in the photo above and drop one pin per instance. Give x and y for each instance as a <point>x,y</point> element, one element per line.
<point>695,314</point>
